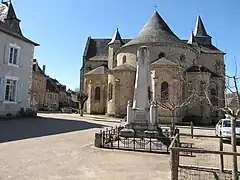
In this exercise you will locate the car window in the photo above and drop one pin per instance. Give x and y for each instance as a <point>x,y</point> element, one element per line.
<point>226,123</point>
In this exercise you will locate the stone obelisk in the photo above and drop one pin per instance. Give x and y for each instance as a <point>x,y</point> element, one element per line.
<point>141,116</point>
<point>141,94</point>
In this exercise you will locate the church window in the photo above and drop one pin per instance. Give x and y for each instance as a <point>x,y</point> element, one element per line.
<point>214,99</point>
<point>97,93</point>
<point>190,87</point>
<point>161,55</point>
<point>110,91</point>
<point>124,59</point>
<point>202,86</point>
<point>182,57</point>
<point>164,92</point>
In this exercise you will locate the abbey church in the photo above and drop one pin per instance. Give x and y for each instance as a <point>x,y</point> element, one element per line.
<point>109,68</point>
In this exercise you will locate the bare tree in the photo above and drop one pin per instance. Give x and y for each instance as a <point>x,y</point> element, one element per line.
<point>82,98</point>
<point>182,94</point>
<point>231,84</point>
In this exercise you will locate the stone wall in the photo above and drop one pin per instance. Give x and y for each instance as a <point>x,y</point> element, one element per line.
<point>96,105</point>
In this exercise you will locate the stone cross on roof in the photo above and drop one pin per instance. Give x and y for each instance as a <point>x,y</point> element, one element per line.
<point>155,7</point>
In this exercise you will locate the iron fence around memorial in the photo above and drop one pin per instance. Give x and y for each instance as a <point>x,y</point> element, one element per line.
<point>112,139</point>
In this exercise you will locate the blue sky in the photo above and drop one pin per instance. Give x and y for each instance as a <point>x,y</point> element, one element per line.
<point>61,27</point>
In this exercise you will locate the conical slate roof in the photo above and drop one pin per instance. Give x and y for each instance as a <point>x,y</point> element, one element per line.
<point>199,28</point>
<point>116,37</point>
<point>191,39</point>
<point>155,30</point>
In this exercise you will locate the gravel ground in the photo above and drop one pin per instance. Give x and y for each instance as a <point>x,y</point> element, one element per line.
<point>60,147</point>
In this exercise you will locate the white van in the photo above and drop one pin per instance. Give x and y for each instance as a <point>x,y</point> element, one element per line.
<point>224,129</point>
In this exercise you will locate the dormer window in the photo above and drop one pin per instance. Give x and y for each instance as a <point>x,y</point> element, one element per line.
<point>161,55</point>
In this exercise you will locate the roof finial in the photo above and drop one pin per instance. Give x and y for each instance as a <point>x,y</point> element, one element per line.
<point>155,7</point>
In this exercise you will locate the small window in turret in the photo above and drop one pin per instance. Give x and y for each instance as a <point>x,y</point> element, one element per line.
<point>161,55</point>
<point>124,59</point>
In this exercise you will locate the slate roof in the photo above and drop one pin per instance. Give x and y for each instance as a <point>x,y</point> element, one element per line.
<point>155,30</point>
<point>36,67</point>
<point>163,61</point>
<point>97,48</point>
<point>200,30</point>
<point>101,70</point>
<point>202,69</point>
<point>116,37</point>
<point>7,12</point>
<point>124,67</point>
<point>51,86</point>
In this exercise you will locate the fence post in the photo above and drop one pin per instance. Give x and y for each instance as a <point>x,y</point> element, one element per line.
<point>191,123</point>
<point>221,155</point>
<point>174,164</point>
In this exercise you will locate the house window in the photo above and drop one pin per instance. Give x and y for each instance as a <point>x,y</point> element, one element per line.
<point>13,55</point>
<point>110,91</point>
<point>48,96</point>
<point>164,92</point>
<point>124,59</point>
<point>10,90</point>
<point>51,96</point>
<point>97,93</point>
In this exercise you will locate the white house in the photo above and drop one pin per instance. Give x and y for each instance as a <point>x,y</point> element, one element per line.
<point>16,57</point>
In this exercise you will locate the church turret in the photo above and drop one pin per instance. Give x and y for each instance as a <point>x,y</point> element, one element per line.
<point>11,18</point>
<point>200,33</point>
<point>192,39</point>
<point>113,46</point>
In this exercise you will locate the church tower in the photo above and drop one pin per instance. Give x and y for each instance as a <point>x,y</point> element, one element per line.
<point>113,83</point>
<point>200,33</point>
<point>113,46</point>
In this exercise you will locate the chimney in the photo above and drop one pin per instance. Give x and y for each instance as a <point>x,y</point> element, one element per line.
<point>44,68</point>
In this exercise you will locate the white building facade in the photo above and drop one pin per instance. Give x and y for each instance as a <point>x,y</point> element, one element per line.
<point>16,57</point>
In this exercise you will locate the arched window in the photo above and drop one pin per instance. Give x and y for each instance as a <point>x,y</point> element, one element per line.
<point>214,99</point>
<point>164,92</point>
<point>97,93</point>
<point>110,91</point>
<point>124,59</point>
<point>161,55</point>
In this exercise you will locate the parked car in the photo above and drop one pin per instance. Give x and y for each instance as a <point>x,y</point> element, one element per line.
<point>224,129</point>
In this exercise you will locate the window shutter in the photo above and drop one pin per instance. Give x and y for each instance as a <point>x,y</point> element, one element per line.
<point>2,88</point>
<point>19,91</point>
<point>19,60</point>
<point>6,53</point>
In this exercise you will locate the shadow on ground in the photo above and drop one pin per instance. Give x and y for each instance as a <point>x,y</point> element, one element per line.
<point>12,130</point>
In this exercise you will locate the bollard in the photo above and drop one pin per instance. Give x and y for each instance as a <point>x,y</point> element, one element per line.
<point>98,140</point>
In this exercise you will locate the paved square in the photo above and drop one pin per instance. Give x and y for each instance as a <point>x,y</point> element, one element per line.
<point>60,147</point>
